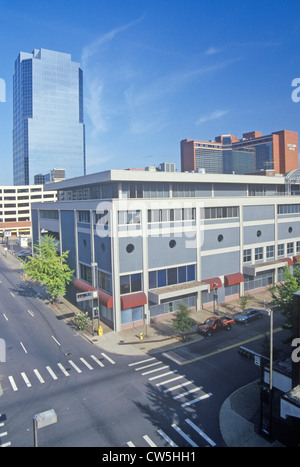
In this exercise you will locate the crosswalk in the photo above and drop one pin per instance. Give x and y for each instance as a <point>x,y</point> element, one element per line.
<point>162,376</point>
<point>184,391</point>
<point>58,370</point>
<point>4,439</point>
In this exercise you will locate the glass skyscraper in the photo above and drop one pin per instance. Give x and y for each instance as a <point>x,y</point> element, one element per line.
<point>48,126</point>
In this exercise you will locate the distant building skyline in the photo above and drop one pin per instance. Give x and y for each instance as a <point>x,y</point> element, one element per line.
<point>48,121</point>
<point>252,153</point>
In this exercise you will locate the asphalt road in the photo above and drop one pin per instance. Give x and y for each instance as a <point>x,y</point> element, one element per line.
<point>109,400</point>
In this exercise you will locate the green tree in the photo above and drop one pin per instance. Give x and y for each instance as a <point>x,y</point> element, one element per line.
<point>243,301</point>
<point>82,321</point>
<point>183,322</point>
<point>49,268</point>
<point>282,294</point>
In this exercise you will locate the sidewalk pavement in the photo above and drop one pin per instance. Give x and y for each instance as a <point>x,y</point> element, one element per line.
<point>238,410</point>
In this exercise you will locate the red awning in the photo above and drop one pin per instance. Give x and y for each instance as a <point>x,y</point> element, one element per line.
<point>289,261</point>
<point>104,298</point>
<point>296,259</point>
<point>212,281</point>
<point>133,300</point>
<point>232,279</point>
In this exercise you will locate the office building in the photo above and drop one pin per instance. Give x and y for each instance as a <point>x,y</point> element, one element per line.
<point>48,124</point>
<point>251,154</point>
<point>55,175</point>
<point>162,238</point>
<point>15,207</point>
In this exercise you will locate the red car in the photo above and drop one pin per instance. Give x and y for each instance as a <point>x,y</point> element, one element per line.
<point>215,323</point>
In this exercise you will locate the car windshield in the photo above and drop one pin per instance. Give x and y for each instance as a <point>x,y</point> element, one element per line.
<point>209,321</point>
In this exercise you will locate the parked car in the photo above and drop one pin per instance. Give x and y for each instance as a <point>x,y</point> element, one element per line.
<point>213,324</point>
<point>24,253</point>
<point>247,315</point>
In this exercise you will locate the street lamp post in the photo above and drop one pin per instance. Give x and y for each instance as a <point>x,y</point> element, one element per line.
<point>95,286</point>
<point>215,297</point>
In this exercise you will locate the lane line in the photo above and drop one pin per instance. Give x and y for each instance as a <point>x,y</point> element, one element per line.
<point>5,316</point>
<point>23,347</point>
<point>12,294</point>
<point>39,377</point>
<point>58,343</point>
<point>251,339</point>
<point>166,437</point>
<point>184,435</point>
<point>31,313</point>
<point>201,433</point>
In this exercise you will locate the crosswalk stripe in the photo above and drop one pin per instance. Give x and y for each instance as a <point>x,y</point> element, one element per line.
<point>186,393</point>
<point>142,361</point>
<point>5,445</point>
<point>51,372</point>
<point>97,361</point>
<point>108,358</point>
<point>170,380</point>
<point>75,366</point>
<point>184,435</point>
<point>147,366</point>
<point>154,371</point>
<point>204,396</point>
<point>130,444</point>
<point>173,388</point>
<point>39,376</point>
<point>166,437</point>
<point>149,441</point>
<point>27,382</point>
<point>13,384</point>
<point>201,433</point>
<point>164,374</point>
<point>86,364</point>
<point>63,369</point>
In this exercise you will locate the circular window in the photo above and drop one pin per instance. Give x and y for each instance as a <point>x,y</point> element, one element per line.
<point>130,248</point>
<point>220,238</point>
<point>258,233</point>
<point>172,243</point>
<point>290,229</point>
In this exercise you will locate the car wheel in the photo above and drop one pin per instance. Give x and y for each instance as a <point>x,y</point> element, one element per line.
<point>209,334</point>
<point>228,327</point>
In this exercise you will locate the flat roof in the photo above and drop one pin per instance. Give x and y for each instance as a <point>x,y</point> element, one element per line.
<point>148,176</point>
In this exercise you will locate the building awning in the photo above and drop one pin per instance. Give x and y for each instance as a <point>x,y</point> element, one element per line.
<point>104,298</point>
<point>214,280</point>
<point>133,300</point>
<point>296,259</point>
<point>174,291</point>
<point>233,279</point>
<point>268,266</point>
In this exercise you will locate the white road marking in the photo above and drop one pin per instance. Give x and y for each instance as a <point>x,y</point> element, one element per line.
<point>142,361</point>
<point>75,366</point>
<point>97,360</point>
<point>86,364</point>
<point>13,384</point>
<point>51,372</point>
<point>23,347</point>
<point>31,313</point>
<point>185,436</point>
<point>147,366</point>
<point>12,294</point>
<point>173,388</point>
<point>39,376</point>
<point>5,316</point>
<point>156,369</point>
<point>108,358</point>
<point>164,374</point>
<point>149,441</point>
<point>198,388</point>
<point>166,437</point>
<point>5,445</point>
<point>170,380</point>
<point>55,340</point>
<point>201,433</point>
<point>27,382</point>
<point>130,444</point>
<point>205,396</point>
<point>63,369</point>
<point>3,434</point>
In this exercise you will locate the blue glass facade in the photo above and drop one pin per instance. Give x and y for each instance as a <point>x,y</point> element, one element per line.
<point>48,128</point>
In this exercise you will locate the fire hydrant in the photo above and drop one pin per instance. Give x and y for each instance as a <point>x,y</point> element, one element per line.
<point>100,331</point>
<point>141,336</point>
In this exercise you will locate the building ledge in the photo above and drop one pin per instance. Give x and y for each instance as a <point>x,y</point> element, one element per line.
<point>176,290</point>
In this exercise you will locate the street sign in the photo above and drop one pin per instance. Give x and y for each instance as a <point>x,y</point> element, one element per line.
<point>82,296</point>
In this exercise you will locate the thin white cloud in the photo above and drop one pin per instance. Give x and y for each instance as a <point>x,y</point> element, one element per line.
<point>211,51</point>
<point>212,116</point>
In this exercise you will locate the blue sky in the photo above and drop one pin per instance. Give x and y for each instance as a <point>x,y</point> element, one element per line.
<point>159,71</point>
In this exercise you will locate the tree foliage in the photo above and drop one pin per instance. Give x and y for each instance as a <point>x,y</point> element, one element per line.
<point>183,322</point>
<point>244,300</point>
<point>283,294</point>
<point>48,267</point>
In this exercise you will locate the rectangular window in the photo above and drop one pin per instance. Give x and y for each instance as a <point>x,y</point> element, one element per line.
<point>84,216</point>
<point>161,278</point>
<point>281,249</point>
<point>258,253</point>
<point>152,279</point>
<point>172,276</point>
<point>221,212</point>
<point>247,256</point>
<point>290,248</point>
<point>270,251</point>
<point>86,273</point>
<point>297,247</point>
<point>130,283</point>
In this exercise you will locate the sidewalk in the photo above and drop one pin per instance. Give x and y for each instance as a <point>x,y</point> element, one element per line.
<point>237,412</point>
